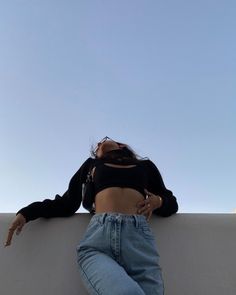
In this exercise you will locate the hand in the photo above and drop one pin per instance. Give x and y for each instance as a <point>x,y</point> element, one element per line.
<point>17,224</point>
<point>146,206</point>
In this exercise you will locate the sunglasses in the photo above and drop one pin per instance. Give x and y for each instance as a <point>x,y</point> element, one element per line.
<point>104,140</point>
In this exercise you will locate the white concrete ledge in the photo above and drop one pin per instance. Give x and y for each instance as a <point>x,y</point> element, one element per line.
<point>197,255</point>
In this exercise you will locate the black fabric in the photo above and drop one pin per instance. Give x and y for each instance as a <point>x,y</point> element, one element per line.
<point>70,201</point>
<point>132,177</point>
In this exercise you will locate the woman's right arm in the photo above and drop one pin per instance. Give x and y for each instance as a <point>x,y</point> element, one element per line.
<point>61,206</point>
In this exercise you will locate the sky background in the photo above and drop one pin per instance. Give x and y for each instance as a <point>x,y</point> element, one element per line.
<point>158,75</point>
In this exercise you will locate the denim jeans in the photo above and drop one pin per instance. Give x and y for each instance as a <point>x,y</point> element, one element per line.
<point>117,255</point>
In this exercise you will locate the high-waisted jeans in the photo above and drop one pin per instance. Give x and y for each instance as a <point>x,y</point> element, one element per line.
<point>117,255</point>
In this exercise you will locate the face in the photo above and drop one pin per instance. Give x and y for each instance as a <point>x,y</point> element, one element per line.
<point>106,146</point>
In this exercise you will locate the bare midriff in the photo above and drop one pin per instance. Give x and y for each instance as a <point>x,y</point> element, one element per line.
<point>118,199</point>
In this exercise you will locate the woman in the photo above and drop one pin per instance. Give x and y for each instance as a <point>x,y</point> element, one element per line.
<point>117,254</point>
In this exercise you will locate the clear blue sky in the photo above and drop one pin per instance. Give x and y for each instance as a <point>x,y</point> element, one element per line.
<point>158,75</point>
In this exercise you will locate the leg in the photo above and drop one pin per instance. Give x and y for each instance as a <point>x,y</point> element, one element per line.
<point>141,259</point>
<point>149,279</point>
<point>104,276</point>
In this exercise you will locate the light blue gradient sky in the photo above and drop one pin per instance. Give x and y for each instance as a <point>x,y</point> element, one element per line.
<point>158,75</point>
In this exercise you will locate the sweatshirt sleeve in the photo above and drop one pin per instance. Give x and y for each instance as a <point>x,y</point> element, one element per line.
<point>60,206</point>
<point>156,186</point>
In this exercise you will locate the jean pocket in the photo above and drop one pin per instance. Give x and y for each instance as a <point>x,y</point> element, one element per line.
<point>147,232</point>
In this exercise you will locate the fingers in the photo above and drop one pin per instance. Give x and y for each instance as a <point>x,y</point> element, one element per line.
<point>10,235</point>
<point>145,208</point>
<point>17,226</point>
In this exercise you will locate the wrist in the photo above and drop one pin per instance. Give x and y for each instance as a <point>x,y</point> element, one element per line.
<point>20,215</point>
<point>159,201</point>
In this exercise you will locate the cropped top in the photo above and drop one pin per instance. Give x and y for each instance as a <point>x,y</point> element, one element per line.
<point>132,176</point>
<point>144,175</point>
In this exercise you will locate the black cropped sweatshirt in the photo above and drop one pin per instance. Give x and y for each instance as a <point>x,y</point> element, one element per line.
<point>70,201</point>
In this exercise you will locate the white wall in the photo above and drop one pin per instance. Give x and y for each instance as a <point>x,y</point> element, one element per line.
<point>197,255</point>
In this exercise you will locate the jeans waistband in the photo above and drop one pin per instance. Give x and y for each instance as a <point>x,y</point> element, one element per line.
<point>136,219</point>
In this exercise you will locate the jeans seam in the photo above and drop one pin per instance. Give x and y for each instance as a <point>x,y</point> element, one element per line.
<point>84,273</point>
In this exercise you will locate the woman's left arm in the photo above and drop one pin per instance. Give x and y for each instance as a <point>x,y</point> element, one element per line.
<point>167,203</point>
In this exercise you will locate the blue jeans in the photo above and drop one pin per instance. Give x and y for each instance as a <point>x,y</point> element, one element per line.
<point>117,255</point>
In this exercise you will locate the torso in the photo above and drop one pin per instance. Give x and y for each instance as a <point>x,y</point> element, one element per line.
<point>118,199</point>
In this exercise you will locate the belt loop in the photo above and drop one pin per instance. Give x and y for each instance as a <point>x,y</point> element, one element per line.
<point>103,217</point>
<point>136,221</point>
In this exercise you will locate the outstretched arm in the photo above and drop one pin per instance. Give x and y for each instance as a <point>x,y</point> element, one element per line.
<point>63,206</point>
<point>60,206</point>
